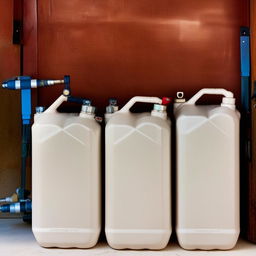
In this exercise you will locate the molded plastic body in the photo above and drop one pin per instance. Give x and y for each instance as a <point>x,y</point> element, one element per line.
<point>138,196</point>
<point>66,180</point>
<point>207,147</point>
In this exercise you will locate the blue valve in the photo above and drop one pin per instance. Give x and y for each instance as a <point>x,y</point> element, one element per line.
<point>25,84</point>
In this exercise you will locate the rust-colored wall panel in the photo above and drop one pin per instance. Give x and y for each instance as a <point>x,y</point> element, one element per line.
<point>30,38</point>
<point>126,48</point>
<point>9,105</point>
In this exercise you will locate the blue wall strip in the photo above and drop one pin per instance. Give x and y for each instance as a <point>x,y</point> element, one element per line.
<point>245,68</point>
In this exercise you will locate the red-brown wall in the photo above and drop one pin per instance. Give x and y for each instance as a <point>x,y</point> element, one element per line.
<point>10,139</point>
<point>116,48</point>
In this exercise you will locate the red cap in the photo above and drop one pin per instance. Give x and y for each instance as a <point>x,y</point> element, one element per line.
<point>166,100</point>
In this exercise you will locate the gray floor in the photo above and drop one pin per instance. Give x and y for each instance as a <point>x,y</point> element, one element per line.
<point>16,238</point>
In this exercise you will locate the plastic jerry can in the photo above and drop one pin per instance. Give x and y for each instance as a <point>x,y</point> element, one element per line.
<point>138,193</point>
<point>66,177</point>
<point>207,148</point>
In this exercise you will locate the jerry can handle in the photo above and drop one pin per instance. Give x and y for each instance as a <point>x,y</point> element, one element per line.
<point>214,91</point>
<point>56,104</point>
<point>142,99</point>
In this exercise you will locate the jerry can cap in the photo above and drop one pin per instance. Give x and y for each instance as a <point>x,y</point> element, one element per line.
<point>88,109</point>
<point>112,101</point>
<point>111,109</point>
<point>40,109</point>
<point>166,100</point>
<point>160,108</point>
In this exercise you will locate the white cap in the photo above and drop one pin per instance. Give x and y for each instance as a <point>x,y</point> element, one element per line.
<point>228,102</point>
<point>88,109</point>
<point>159,107</point>
<point>159,111</point>
<point>111,109</point>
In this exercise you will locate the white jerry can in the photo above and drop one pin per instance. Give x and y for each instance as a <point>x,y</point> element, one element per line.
<point>207,148</point>
<point>138,190</point>
<point>66,178</point>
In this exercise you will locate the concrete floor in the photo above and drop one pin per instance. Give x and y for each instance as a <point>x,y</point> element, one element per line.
<point>16,238</point>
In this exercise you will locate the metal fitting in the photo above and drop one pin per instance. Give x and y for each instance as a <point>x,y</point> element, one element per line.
<point>112,102</point>
<point>87,109</point>
<point>180,95</point>
<point>40,109</point>
<point>112,107</point>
